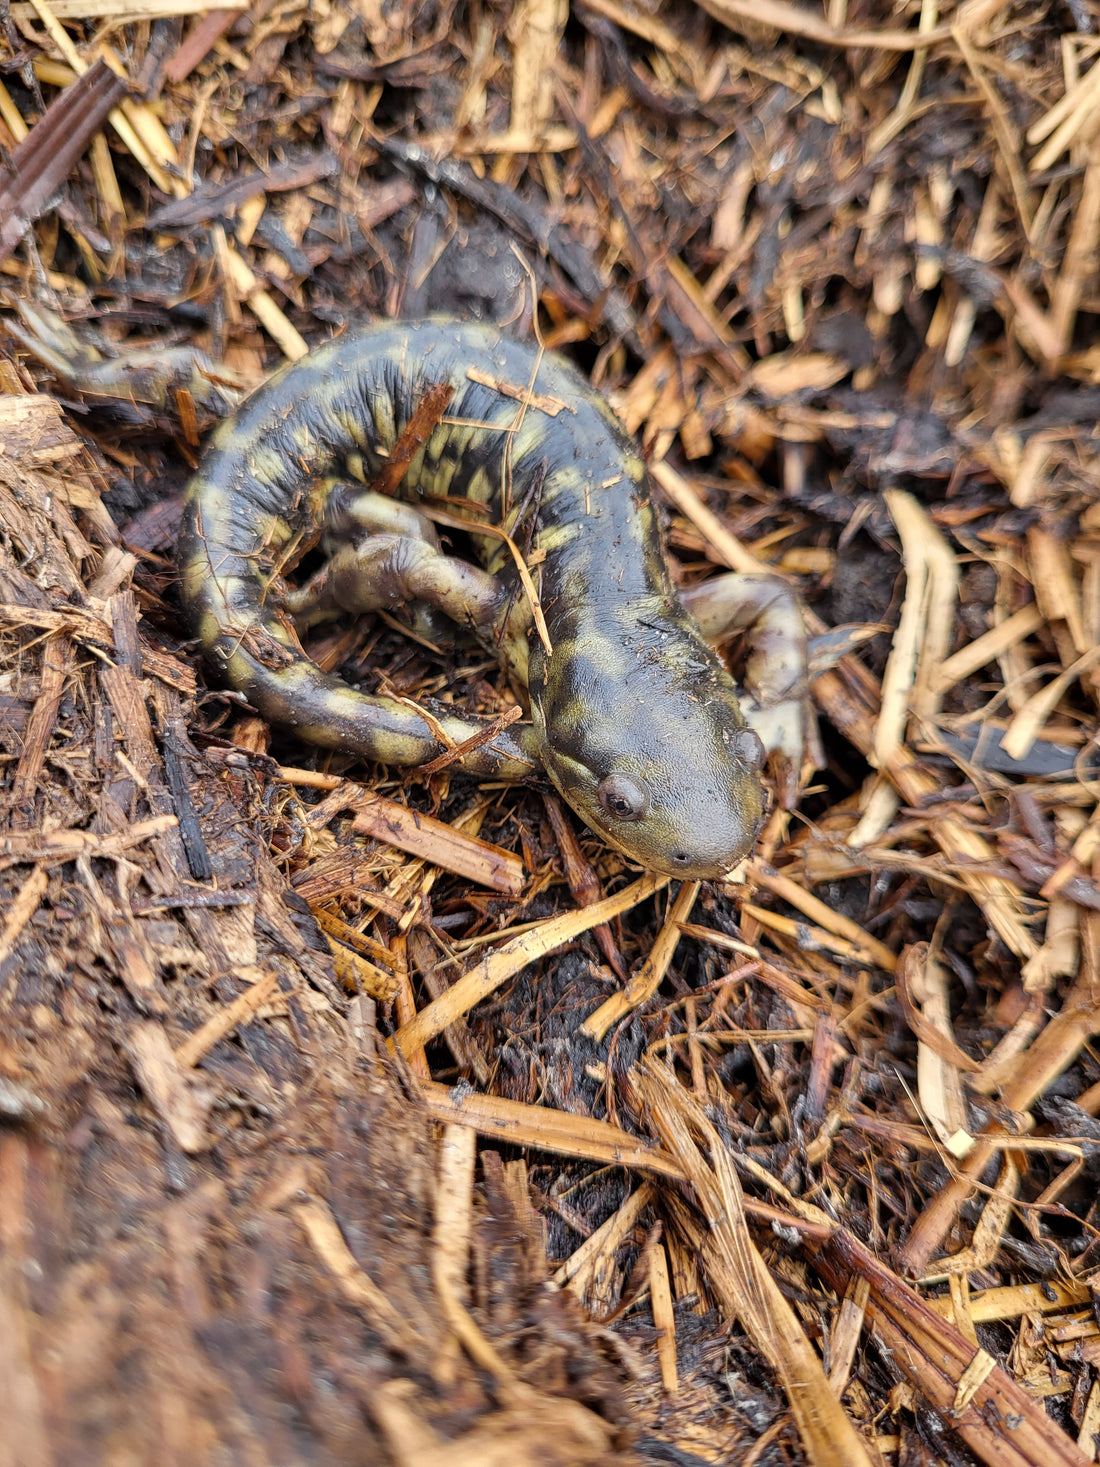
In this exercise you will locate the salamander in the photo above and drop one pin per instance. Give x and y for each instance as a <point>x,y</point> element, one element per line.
<point>633,716</point>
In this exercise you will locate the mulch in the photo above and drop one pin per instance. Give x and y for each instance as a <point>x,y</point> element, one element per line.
<point>349,1115</point>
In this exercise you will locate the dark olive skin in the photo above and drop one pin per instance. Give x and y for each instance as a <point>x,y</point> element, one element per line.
<point>634,717</point>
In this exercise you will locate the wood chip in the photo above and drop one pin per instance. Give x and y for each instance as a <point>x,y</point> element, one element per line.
<point>435,841</point>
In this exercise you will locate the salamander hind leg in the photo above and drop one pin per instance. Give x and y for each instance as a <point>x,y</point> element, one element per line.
<point>351,512</point>
<point>385,571</point>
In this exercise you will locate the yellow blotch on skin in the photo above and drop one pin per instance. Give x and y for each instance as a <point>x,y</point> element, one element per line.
<point>239,671</point>
<point>195,576</point>
<point>341,702</point>
<point>228,436</point>
<point>555,537</point>
<point>355,430</point>
<point>382,413</point>
<point>529,436</point>
<point>278,633</point>
<point>480,487</point>
<point>209,629</point>
<point>276,532</point>
<point>266,465</point>
<point>567,480</point>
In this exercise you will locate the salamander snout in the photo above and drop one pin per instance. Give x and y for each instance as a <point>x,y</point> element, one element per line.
<point>691,815</point>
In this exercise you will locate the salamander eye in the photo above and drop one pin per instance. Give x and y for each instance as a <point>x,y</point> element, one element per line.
<point>623,797</point>
<point>749,748</point>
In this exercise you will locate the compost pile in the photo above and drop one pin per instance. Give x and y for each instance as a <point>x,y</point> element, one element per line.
<point>354,1116</point>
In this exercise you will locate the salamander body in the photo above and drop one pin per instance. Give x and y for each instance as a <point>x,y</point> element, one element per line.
<point>633,716</point>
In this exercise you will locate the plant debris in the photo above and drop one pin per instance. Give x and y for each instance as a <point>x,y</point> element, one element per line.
<point>354,1117</point>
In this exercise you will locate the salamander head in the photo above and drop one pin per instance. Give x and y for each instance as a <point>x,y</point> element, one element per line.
<point>671,776</point>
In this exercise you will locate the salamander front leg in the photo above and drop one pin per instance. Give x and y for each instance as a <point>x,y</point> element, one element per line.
<point>385,571</point>
<point>765,608</point>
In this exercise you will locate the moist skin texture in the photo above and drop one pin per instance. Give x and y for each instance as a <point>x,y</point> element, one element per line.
<point>633,716</point>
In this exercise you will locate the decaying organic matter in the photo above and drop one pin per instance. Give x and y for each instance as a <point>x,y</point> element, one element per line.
<point>328,1133</point>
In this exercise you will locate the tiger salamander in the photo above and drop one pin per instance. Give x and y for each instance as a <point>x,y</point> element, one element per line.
<point>633,716</point>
